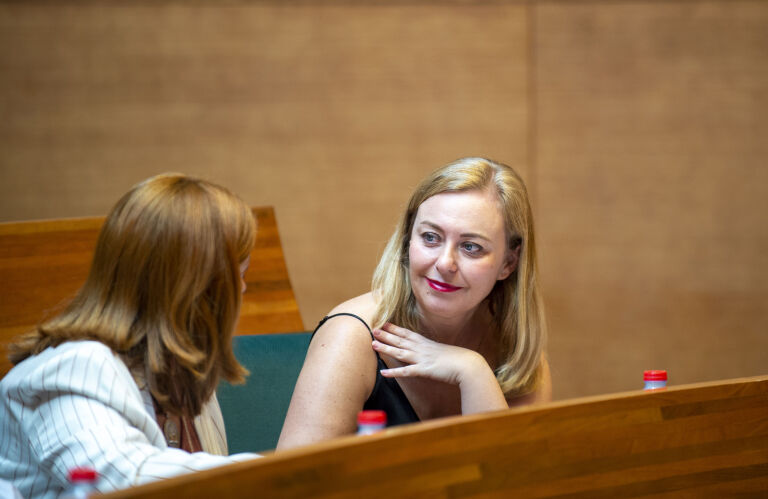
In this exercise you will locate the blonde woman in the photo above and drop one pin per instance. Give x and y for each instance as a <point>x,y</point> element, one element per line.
<point>123,379</point>
<point>454,323</point>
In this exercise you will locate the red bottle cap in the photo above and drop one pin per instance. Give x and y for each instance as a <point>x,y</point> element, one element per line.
<point>82,475</point>
<point>655,375</point>
<point>372,417</point>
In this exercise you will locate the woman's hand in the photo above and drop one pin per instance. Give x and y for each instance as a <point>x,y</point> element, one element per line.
<point>440,362</point>
<point>425,358</point>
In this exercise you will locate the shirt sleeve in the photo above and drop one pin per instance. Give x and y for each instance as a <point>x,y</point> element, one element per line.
<point>83,409</point>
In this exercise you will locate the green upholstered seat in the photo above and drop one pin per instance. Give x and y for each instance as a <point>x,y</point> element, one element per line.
<point>254,412</point>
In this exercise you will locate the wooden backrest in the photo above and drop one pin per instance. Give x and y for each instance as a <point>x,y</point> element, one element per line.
<point>43,264</point>
<point>705,440</point>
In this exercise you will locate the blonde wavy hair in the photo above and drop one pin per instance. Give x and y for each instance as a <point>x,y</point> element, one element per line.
<point>514,303</point>
<point>164,289</point>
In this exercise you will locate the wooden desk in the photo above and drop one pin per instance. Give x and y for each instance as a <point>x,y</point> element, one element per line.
<point>704,440</point>
<point>44,263</point>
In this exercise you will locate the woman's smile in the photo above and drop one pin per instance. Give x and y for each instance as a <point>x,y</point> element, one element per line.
<point>441,286</point>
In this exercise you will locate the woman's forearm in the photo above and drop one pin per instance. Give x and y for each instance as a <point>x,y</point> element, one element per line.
<point>480,392</point>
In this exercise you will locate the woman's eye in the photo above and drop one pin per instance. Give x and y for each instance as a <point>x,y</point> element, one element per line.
<point>430,237</point>
<point>472,248</point>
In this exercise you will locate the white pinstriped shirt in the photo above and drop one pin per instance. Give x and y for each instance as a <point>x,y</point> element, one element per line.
<point>77,405</point>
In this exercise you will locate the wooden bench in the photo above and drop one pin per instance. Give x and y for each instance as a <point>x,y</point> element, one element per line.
<point>703,440</point>
<point>43,264</point>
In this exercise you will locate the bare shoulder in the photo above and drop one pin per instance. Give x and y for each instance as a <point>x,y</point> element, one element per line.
<point>364,306</point>
<point>343,338</point>
<point>338,375</point>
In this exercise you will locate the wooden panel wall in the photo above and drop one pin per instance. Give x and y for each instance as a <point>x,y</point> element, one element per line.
<point>330,114</point>
<point>639,126</point>
<point>652,183</point>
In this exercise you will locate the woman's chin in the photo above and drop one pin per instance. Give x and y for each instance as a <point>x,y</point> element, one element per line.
<point>443,308</point>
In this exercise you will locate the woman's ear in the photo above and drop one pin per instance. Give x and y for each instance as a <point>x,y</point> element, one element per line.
<point>513,258</point>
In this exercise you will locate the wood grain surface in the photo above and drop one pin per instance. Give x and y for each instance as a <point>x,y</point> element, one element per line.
<point>639,126</point>
<point>703,440</point>
<point>329,111</point>
<point>44,263</point>
<point>652,189</point>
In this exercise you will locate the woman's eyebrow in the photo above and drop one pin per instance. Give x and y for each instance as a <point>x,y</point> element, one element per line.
<point>470,235</point>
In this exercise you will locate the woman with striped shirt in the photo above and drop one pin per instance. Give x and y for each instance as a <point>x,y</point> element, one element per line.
<point>123,379</point>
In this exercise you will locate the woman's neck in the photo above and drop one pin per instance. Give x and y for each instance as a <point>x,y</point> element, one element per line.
<point>467,331</point>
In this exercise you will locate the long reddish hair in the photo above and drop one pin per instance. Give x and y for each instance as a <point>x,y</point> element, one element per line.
<point>164,289</point>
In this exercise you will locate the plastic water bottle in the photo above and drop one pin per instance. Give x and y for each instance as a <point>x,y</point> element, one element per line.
<point>371,422</point>
<point>655,379</point>
<point>82,483</point>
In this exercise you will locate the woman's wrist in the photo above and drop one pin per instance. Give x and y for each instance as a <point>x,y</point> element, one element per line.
<point>474,370</point>
<point>480,391</point>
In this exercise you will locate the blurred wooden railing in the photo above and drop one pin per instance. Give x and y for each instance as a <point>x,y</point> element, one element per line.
<point>43,263</point>
<point>704,440</point>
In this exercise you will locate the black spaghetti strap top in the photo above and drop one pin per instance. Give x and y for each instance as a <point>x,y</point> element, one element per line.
<point>386,395</point>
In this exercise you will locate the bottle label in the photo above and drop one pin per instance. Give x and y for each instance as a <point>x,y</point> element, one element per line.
<point>367,429</point>
<point>655,385</point>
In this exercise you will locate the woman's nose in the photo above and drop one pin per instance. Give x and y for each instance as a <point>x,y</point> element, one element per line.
<point>446,262</point>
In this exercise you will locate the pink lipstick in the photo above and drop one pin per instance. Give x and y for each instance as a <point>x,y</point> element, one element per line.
<point>441,286</point>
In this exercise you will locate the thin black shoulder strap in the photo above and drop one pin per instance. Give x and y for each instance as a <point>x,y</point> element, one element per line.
<point>325,319</point>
